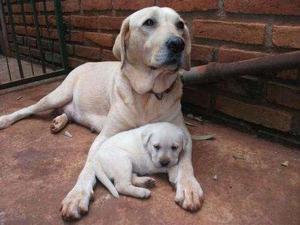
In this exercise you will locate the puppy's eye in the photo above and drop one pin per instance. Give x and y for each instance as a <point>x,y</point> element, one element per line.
<point>149,22</point>
<point>174,148</point>
<point>156,147</point>
<point>180,25</point>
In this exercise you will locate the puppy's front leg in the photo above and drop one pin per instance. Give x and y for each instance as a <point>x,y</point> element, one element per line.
<point>76,203</point>
<point>189,194</point>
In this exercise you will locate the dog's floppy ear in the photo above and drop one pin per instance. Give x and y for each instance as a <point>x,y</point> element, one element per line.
<point>119,49</point>
<point>186,63</point>
<point>146,136</point>
<point>185,140</point>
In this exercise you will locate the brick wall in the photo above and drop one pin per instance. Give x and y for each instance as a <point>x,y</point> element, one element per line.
<point>222,31</point>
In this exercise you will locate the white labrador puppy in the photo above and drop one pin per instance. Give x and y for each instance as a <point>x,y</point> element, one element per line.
<point>153,148</point>
<point>110,97</point>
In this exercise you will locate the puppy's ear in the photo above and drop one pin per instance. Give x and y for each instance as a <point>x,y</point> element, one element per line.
<point>185,140</point>
<point>119,49</point>
<point>186,64</point>
<point>146,136</point>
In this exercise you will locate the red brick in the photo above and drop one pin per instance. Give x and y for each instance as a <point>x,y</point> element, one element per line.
<point>284,95</point>
<point>258,114</point>
<point>202,53</point>
<point>49,6</point>
<point>70,6</point>
<point>96,4</point>
<point>87,52</point>
<point>21,30</point>
<point>289,74</point>
<point>85,22</point>
<point>109,22</point>
<point>247,86</point>
<point>76,36</point>
<point>232,54</point>
<point>278,7</point>
<point>132,5</point>
<point>74,62</point>
<point>196,96</point>
<point>16,8</point>
<point>247,33</point>
<point>190,5</point>
<point>102,39</point>
<point>107,55</point>
<point>286,36</point>
<point>51,33</point>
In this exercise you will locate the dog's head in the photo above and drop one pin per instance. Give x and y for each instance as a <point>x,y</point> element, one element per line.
<point>155,40</point>
<point>164,142</point>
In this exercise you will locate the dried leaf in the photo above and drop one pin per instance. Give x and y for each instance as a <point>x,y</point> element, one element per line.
<point>238,157</point>
<point>190,124</point>
<point>285,163</point>
<point>190,115</point>
<point>198,118</point>
<point>68,134</point>
<point>19,98</point>
<point>203,137</point>
<point>215,177</point>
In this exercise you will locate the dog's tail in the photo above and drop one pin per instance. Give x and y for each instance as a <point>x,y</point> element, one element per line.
<point>106,181</point>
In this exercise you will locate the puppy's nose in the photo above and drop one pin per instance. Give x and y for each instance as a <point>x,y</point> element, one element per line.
<point>175,44</point>
<point>164,162</point>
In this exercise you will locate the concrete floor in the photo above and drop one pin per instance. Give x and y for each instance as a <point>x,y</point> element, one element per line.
<point>39,168</point>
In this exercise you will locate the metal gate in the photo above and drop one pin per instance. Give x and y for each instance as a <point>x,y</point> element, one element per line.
<point>32,45</point>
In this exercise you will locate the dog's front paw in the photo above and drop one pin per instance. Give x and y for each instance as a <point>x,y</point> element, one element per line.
<point>189,194</point>
<point>4,122</point>
<point>75,204</point>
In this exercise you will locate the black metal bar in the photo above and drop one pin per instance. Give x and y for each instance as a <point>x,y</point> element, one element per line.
<point>51,47</point>
<point>9,9</point>
<point>61,33</point>
<point>38,34</point>
<point>4,45</point>
<point>7,64</point>
<point>26,35</point>
<point>32,79</point>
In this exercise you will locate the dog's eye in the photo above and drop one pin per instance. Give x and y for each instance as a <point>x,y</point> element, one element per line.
<point>174,148</point>
<point>149,22</point>
<point>180,25</point>
<point>156,147</point>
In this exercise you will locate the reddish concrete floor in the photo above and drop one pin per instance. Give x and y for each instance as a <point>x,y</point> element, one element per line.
<point>39,168</point>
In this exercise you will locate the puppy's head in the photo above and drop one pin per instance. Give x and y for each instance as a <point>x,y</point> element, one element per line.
<point>154,39</point>
<point>164,142</point>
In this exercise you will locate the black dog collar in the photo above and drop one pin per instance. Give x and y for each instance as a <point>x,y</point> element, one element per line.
<point>160,95</point>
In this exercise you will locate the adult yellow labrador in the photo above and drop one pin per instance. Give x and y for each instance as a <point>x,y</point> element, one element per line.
<point>110,97</point>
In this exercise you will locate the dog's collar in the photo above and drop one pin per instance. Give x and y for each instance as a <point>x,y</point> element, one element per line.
<point>160,95</point>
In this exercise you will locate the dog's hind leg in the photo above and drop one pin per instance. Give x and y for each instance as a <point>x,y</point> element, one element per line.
<point>56,99</point>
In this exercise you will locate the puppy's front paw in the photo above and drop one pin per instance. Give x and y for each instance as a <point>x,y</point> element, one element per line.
<point>146,182</point>
<point>150,182</point>
<point>75,204</point>
<point>189,194</point>
<point>145,193</point>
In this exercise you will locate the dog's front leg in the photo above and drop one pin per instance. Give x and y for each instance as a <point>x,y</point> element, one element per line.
<point>76,203</point>
<point>189,194</point>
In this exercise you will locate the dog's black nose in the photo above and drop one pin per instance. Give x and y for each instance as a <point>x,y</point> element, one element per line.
<point>175,44</point>
<point>164,162</point>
